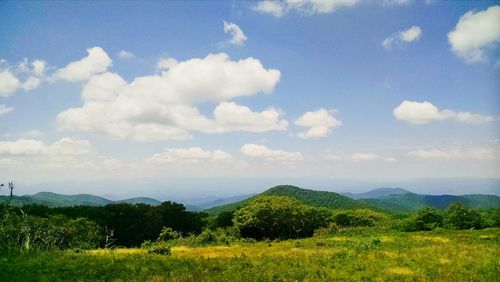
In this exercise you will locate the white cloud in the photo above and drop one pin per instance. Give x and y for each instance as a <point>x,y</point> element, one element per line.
<point>237,35</point>
<point>278,8</point>
<point>475,33</point>
<point>22,147</point>
<point>425,112</point>
<point>39,67</point>
<point>272,7</point>
<point>458,153</point>
<point>65,153</point>
<point>70,146</point>
<point>162,106</point>
<point>166,63</point>
<point>8,83</point>
<point>193,155</point>
<point>5,110</point>
<point>409,35</point>
<point>262,152</point>
<point>104,87</point>
<point>320,123</point>
<point>125,55</point>
<point>233,117</point>
<point>97,61</point>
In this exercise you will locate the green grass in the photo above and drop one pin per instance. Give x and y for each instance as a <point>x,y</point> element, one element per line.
<point>349,255</point>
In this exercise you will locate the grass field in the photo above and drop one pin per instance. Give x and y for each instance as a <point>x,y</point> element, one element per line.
<point>444,255</point>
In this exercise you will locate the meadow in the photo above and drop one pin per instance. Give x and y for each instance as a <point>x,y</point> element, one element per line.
<point>351,254</point>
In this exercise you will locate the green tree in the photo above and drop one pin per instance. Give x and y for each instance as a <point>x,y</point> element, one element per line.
<point>279,217</point>
<point>461,216</point>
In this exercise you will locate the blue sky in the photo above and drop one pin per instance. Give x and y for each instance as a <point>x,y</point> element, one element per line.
<point>309,89</point>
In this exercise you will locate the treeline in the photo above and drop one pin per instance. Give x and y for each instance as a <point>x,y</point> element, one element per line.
<point>265,217</point>
<point>126,225</point>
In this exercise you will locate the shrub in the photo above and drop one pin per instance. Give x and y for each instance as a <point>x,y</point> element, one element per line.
<point>460,216</point>
<point>279,217</point>
<point>354,218</point>
<point>168,234</point>
<point>160,248</point>
<point>424,219</point>
<point>207,237</point>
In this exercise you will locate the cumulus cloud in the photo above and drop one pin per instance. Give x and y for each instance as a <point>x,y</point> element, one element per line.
<point>22,147</point>
<point>8,83</point>
<point>320,124</point>
<point>193,155</point>
<point>97,61</point>
<point>233,117</point>
<point>405,36</point>
<point>123,54</point>
<point>278,8</point>
<point>64,153</point>
<point>475,33</point>
<point>425,112</point>
<point>237,35</point>
<point>457,153</point>
<point>262,152</point>
<point>5,110</point>
<point>162,106</point>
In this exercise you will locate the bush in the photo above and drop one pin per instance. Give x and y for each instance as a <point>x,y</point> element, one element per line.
<point>460,216</point>
<point>160,248</point>
<point>355,218</point>
<point>168,234</point>
<point>279,217</point>
<point>424,219</point>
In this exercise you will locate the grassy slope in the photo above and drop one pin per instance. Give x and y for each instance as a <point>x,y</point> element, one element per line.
<point>348,256</point>
<point>311,197</point>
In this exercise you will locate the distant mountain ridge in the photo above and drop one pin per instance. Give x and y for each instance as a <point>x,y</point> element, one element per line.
<point>402,201</point>
<point>59,200</point>
<point>395,200</point>
<point>377,193</point>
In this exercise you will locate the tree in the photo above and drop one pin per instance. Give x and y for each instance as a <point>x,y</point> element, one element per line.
<point>427,218</point>
<point>279,217</point>
<point>461,216</point>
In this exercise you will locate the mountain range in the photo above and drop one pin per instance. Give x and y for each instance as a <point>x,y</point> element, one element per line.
<point>395,200</point>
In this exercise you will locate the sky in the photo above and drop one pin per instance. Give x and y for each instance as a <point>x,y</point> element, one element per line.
<point>361,90</point>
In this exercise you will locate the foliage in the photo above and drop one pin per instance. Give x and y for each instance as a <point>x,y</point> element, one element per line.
<point>167,234</point>
<point>424,219</point>
<point>314,198</point>
<point>131,224</point>
<point>279,217</point>
<point>224,219</point>
<point>330,230</point>
<point>460,216</point>
<point>361,217</point>
<point>56,232</point>
<point>160,248</point>
<point>444,255</point>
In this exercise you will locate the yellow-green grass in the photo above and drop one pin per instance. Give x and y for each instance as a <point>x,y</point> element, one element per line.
<point>472,255</point>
